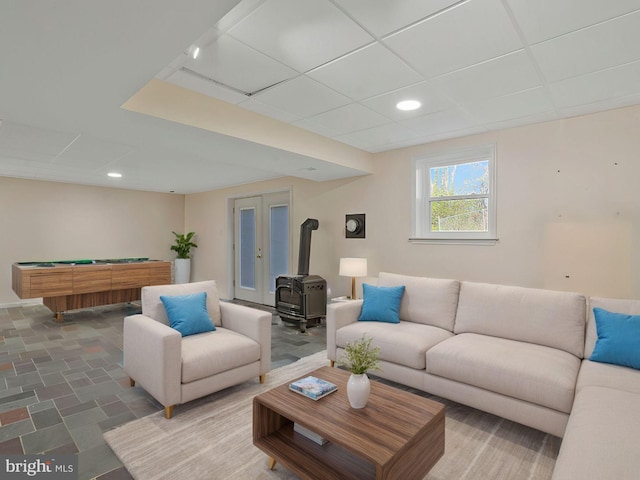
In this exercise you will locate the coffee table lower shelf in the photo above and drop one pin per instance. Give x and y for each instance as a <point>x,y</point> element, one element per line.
<point>311,460</point>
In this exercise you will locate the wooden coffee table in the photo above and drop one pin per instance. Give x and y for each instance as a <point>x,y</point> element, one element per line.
<point>398,435</point>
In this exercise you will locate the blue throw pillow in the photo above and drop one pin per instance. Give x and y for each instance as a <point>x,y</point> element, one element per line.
<point>188,313</point>
<point>618,338</point>
<point>381,304</point>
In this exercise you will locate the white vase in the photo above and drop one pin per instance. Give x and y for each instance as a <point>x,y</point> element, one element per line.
<point>182,270</point>
<point>358,389</point>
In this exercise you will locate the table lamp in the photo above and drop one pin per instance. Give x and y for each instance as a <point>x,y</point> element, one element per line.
<point>353,267</point>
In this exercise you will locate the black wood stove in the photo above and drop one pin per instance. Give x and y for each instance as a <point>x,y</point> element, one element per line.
<point>302,298</point>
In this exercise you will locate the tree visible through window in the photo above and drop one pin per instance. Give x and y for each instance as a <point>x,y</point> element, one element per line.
<point>455,195</point>
<point>459,197</point>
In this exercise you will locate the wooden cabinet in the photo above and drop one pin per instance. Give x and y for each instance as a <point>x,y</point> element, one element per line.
<point>70,287</point>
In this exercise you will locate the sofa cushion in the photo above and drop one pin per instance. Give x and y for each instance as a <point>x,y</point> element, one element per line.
<point>380,304</point>
<point>404,343</point>
<point>601,439</point>
<point>618,338</point>
<point>534,373</point>
<point>209,353</point>
<point>595,374</point>
<point>152,305</point>
<point>631,307</point>
<point>432,301</point>
<point>188,313</point>
<point>545,317</point>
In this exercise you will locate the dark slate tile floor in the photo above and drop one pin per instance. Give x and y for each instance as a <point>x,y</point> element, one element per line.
<point>62,384</point>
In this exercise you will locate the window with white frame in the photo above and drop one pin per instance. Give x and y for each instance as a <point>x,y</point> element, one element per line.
<point>455,196</point>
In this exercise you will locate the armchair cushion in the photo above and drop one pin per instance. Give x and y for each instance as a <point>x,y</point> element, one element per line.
<point>188,313</point>
<point>152,305</point>
<point>210,353</point>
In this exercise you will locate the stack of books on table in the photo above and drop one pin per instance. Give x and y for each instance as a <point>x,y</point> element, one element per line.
<point>309,434</point>
<point>313,387</point>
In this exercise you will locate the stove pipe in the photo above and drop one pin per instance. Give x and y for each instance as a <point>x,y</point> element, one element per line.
<point>305,245</point>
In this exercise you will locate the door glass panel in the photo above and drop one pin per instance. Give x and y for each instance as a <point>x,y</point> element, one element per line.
<point>247,247</point>
<point>278,244</point>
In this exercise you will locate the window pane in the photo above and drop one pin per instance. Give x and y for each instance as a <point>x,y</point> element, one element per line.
<point>461,179</point>
<point>279,244</point>
<point>247,247</point>
<point>469,215</point>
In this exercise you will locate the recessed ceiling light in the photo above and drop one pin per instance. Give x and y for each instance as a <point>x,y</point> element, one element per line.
<point>114,175</point>
<point>194,51</point>
<point>407,105</point>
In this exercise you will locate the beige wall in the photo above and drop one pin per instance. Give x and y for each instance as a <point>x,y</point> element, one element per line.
<point>56,221</point>
<point>568,217</point>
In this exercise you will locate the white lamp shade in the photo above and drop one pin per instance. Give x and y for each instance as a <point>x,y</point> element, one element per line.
<point>353,267</point>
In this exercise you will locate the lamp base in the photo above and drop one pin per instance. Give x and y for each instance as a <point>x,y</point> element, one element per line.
<point>353,288</point>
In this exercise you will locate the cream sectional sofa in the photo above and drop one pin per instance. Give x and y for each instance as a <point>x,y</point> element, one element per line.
<point>512,351</point>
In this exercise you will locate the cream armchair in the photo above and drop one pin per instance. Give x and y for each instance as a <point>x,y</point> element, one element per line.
<point>176,369</point>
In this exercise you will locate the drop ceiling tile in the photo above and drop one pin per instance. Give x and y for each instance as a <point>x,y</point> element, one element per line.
<point>528,120</point>
<point>90,152</point>
<point>440,122</point>
<point>382,17</point>
<point>234,64</point>
<point>343,120</point>
<point>599,86</point>
<point>544,19</point>
<point>32,143</point>
<point>500,76</point>
<point>595,48</point>
<point>198,84</point>
<point>302,34</point>
<point>430,98</point>
<point>508,107</point>
<point>254,105</point>
<point>470,33</point>
<point>302,97</point>
<point>368,72</point>
<point>378,136</point>
<point>608,104</point>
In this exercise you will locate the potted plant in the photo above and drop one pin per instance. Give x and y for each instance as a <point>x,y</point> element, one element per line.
<point>359,357</point>
<point>182,247</point>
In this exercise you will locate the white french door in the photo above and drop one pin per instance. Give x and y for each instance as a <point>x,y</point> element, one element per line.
<point>261,245</point>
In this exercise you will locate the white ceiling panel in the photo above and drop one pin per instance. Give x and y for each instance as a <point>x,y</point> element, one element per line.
<point>608,104</point>
<point>500,76</point>
<point>591,49</point>
<point>253,104</point>
<point>596,87</point>
<point>544,19</point>
<point>470,33</point>
<point>528,120</point>
<point>300,33</point>
<point>302,96</point>
<point>424,92</point>
<point>199,84</point>
<point>32,143</point>
<point>382,17</point>
<point>378,136</point>
<point>235,64</point>
<point>509,107</point>
<point>343,120</point>
<point>90,152</point>
<point>370,71</point>
<point>440,122</point>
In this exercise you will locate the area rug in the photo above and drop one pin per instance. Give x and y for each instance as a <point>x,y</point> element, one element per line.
<point>211,438</point>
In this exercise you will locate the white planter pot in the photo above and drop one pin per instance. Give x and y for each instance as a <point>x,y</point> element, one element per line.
<point>182,270</point>
<point>358,389</point>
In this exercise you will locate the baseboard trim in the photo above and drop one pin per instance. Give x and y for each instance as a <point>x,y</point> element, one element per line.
<point>22,303</point>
